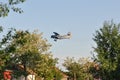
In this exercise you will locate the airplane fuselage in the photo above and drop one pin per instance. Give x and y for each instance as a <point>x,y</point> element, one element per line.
<point>60,37</point>
<point>57,36</point>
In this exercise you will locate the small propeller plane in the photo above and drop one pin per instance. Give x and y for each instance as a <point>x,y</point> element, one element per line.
<point>57,36</point>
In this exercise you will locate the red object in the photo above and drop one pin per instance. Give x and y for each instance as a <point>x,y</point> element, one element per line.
<point>7,75</point>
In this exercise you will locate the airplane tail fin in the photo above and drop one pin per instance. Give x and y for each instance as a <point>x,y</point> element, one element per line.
<point>69,34</point>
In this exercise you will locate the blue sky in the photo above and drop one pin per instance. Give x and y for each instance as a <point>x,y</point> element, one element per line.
<point>80,17</point>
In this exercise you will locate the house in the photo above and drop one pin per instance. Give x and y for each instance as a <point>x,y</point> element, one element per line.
<point>32,75</point>
<point>65,77</point>
<point>7,74</point>
<point>29,77</point>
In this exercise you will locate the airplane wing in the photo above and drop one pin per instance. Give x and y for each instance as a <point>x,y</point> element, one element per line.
<point>55,33</point>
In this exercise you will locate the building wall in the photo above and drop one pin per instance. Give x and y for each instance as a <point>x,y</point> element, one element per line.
<point>29,77</point>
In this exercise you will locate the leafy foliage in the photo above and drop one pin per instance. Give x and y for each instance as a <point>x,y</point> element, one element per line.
<point>6,6</point>
<point>108,50</point>
<point>29,50</point>
<point>4,56</point>
<point>78,70</point>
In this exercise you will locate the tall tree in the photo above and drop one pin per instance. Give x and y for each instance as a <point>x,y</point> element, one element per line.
<point>4,57</point>
<point>107,50</point>
<point>7,5</point>
<point>28,49</point>
<point>78,69</point>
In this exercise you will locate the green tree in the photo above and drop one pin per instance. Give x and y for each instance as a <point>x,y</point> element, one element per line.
<point>107,50</point>
<point>30,50</point>
<point>6,6</point>
<point>4,57</point>
<point>45,66</point>
<point>78,70</point>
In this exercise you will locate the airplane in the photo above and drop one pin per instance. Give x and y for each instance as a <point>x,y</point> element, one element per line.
<point>57,36</point>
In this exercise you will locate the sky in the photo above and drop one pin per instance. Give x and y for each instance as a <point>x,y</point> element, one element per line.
<point>80,17</point>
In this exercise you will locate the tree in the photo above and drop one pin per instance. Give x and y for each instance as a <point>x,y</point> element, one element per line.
<point>3,56</point>
<point>6,6</point>
<point>107,50</point>
<point>45,66</point>
<point>28,49</point>
<point>78,70</point>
